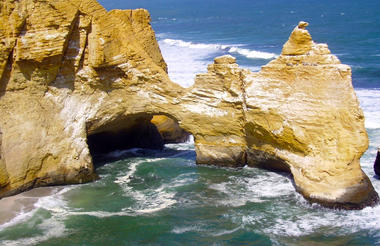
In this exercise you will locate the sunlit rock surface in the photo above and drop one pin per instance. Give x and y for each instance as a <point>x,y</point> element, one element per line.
<point>71,70</point>
<point>170,130</point>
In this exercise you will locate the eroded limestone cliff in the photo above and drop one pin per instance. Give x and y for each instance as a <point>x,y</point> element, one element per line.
<point>71,71</point>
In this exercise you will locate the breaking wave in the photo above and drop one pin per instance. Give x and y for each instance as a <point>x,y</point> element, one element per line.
<point>186,59</point>
<point>232,49</point>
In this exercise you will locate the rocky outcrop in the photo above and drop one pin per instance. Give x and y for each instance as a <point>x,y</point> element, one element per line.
<point>303,103</point>
<point>84,75</point>
<point>376,165</point>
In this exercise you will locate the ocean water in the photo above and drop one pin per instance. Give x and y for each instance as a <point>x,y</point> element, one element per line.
<point>163,198</point>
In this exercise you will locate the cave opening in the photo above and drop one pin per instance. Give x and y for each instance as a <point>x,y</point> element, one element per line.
<point>143,131</point>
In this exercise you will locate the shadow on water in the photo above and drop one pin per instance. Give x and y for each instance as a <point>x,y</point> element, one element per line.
<point>100,160</point>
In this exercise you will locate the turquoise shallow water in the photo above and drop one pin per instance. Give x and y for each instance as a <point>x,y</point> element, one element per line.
<point>163,198</point>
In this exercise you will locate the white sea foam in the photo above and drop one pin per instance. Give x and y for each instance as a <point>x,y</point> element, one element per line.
<point>119,153</point>
<point>191,45</point>
<point>149,200</point>
<point>102,214</point>
<point>225,232</point>
<point>132,169</point>
<point>253,54</point>
<point>51,228</point>
<point>186,59</point>
<point>152,200</point>
<point>183,229</point>
<point>183,179</point>
<point>282,219</point>
<point>184,63</point>
<point>370,103</point>
<point>50,202</point>
<point>340,222</point>
<point>305,219</point>
<point>256,188</point>
<point>21,217</point>
<point>55,202</point>
<point>189,145</point>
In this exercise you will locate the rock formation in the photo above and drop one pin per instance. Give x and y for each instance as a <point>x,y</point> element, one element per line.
<point>376,165</point>
<point>84,75</point>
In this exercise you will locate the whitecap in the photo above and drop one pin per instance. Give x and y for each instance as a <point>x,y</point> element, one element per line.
<point>151,201</point>
<point>225,232</point>
<point>183,229</point>
<point>183,68</point>
<point>101,214</point>
<point>55,202</point>
<point>132,169</point>
<point>186,59</point>
<point>253,54</point>
<point>51,228</point>
<point>258,187</point>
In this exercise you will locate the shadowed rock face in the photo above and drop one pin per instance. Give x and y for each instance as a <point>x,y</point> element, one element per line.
<point>377,163</point>
<point>85,72</point>
<point>139,132</point>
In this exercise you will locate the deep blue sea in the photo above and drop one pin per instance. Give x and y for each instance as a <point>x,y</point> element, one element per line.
<point>164,198</point>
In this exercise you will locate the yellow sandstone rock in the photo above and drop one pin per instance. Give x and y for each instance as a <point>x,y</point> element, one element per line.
<point>299,42</point>
<point>169,129</point>
<point>73,74</point>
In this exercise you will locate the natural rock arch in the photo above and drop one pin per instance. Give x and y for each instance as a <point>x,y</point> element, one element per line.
<point>141,130</point>
<point>84,69</point>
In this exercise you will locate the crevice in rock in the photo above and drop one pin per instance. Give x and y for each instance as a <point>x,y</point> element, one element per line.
<point>85,48</point>
<point>244,110</point>
<point>74,26</point>
<point>6,76</point>
<point>244,96</point>
<point>66,71</point>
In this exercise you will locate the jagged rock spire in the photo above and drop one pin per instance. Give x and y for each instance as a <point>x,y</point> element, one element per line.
<point>300,41</point>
